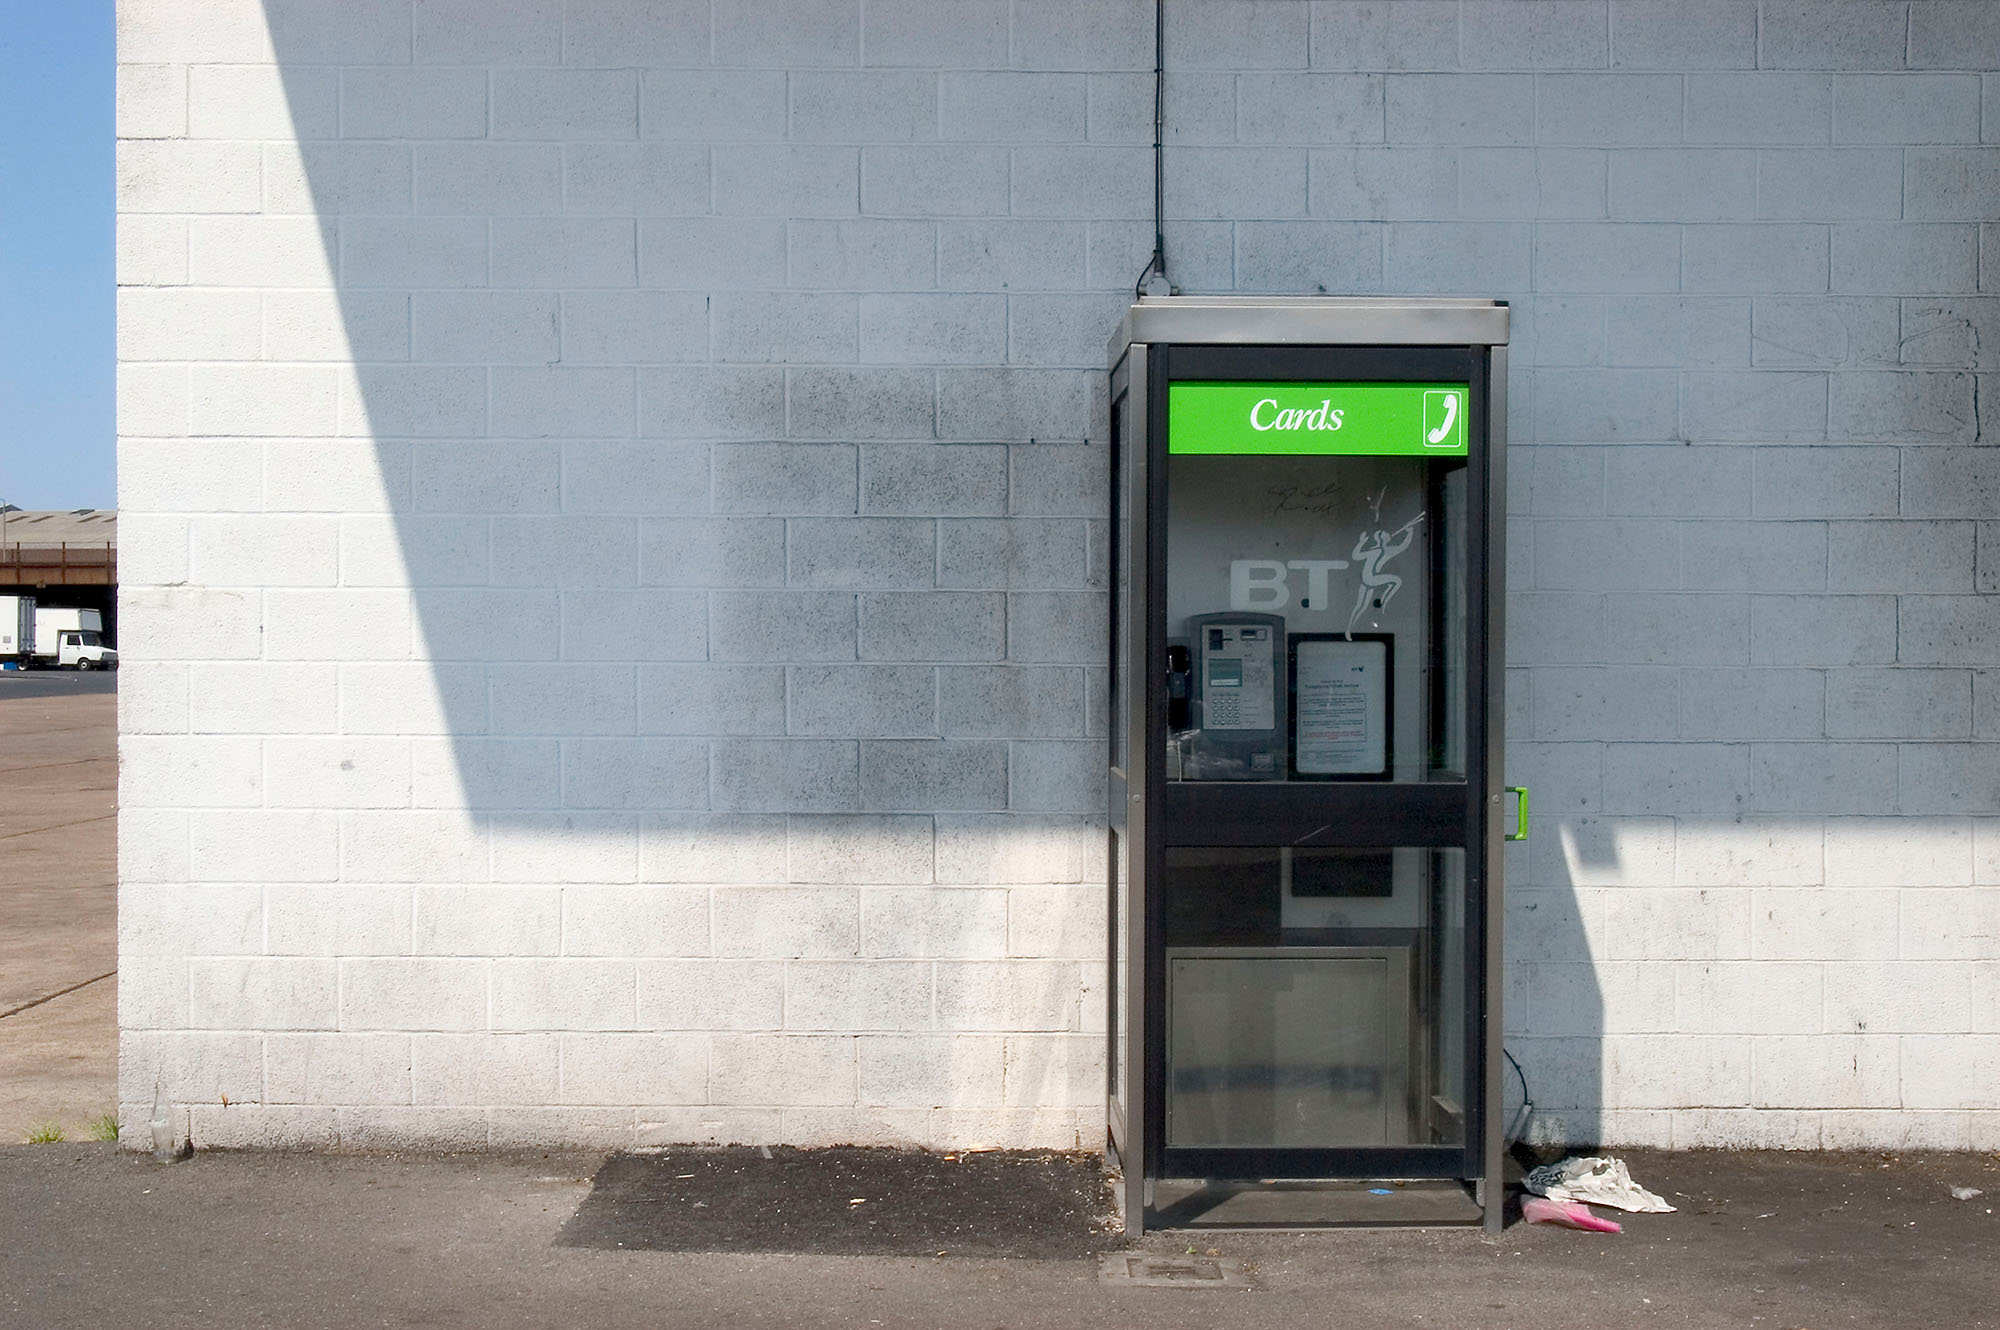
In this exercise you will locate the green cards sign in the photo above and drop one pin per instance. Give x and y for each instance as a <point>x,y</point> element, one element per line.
<point>1353,419</point>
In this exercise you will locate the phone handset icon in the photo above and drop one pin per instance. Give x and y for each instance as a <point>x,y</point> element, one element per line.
<point>1443,431</point>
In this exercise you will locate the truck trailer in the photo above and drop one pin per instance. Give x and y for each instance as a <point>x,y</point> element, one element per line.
<point>66,637</point>
<point>17,632</point>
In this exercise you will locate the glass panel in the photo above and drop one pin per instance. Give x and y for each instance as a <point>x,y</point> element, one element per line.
<point>1121,577</point>
<point>1315,998</point>
<point>1119,1062</point>
<point>1315,617</point>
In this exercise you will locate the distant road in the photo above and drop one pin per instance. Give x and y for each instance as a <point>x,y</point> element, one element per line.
<point>55,683</point>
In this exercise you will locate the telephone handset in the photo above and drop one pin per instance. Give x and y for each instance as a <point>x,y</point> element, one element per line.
<point>1443,431</point>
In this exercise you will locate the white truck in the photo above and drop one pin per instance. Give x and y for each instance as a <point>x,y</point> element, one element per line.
<point>17,632</point>
<point>71,637</point>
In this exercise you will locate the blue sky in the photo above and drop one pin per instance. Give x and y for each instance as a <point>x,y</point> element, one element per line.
<point>57,430</point>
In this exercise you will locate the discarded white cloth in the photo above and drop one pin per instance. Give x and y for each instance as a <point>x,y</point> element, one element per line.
<point>1594,1180</point>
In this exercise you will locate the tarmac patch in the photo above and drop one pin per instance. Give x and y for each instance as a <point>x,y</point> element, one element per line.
<point>1141,1270</point>
<point>847,1201</point>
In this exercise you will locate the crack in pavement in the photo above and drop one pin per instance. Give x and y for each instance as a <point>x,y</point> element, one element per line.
<point>51,997</point>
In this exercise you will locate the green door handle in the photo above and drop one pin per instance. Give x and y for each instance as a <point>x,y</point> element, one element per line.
<point>1520,831</point>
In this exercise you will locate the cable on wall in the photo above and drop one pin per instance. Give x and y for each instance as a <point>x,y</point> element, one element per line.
<point>1153,277</point>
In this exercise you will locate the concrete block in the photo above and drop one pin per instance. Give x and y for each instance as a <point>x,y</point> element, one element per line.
<point>771,923</point>
<point>485,773</point>
<point>172,323</point>
<point>151,250</point>
<point>153,699</point>
<point>700,253</point>
<point>1314,256</point>
<point>1019,553</point>
<point>1672,925</point>
<point>336,178</point>
<point>360,326</point>
<point>961,923</point>
<point>1684,34</point>
<point>631,327</point>
<point>1003,849</point>
<point>1015,404</point>
<point>488,179</point>
<point>711,995</point>
<point>1056,777</point>
<point>1754,556</point>
<point>1884,998</point>
<point>1904,258</point>
<point>1541,34</point>
<point>1310,109</point>
<point>1796,34</point>
<point>1055,627</point>
<point>1952,35</point>
<point>178,919</point>
<point>415,401</point>
<point>1985,704</point>
<point>1987,566</point>
<point>783,180</point>
<point>391,252</point>
<point>1906,109</point>
<point>1669,629</point>
<point>782,1069</point>
<point>567,105</point>
<point>461,623</point>
<point>1467,110</point>
<point>933,329</point>
<point>1946,923</point>
<point>1898,852</point>
<point>566,700</point>
<point>1862,1071</point>
<point>707,106</point>
<point>928,180</point>
<point>1948,778</point>
<point>614,32</point>
<point>321,771</point>
<point>412,103</point>
<point>191,623</point>
<point>1753,852</point>
<point>1010,702</point>
<point>912,1071</point>
<point>1900,556</point>
<point>867,253</point>
<point>1605,406</point>
<point>871,106</point>
<point>1755,259</point>
<point>152,400</point>
<point>1591,704</point>
<point>1624,258</point>
<point>866,701</point>
<point>398,845</point>
<point>1238,183</point>
<point>1676,778</point>
<point>1010,254</point>
<point>932,626</point>
<point>1653,1071</point>
<point>1950,333</point>
<point>1895,1129</point>
<point>1949,482</point>
<point>783,326</point>
<point>836,402</point>
<point>1749,999</point>
<point>542,848</point>
<point>783,776</point>
<point>152,101</point>
<point>189,176</point>
<point>1822,778</point>
<point>1050,35</point>
<point>857,995</point>
<point>1686,184</point>
<point>263,992</point>
<point>1066,182</point>
<point>337,1069</point>
<point>706,552</point>
<point>1605,110</point>
<point>1257,35</point>
<point>1063,921</point>
<point>1823,482</point>
<point>1823,631</point>
<point>1950,1071</point>
<point>564,994</point>
<point>1013,995</point>
<point>395,1126</point>
<point>412,993</point>
<point>1912,406</point>
<point>483,1069</point>
<point>924,480</point>
<point>235,399</point>
<point>564,252</point>
<point>1607,556</point>
<point>199,1066</point>
<point>1825,332</point>
<point>1760,109</point>
<point>930,774</point>
<point>1602,999</point>
<point>157,771</point>
<point>461,32</point>
<point>711,699</point>
<point>862,552</point>
<point>1383,183</point>
<point>1737,704</point>
<point>646,1068</point>
<point>645,773</point>
<point>777,626</point>
<point>248,550</point>
<point>620,179</point>
<point>701,847</point>
<point>488,920</point>
<point>1836,184</point>
<point>1009,107</point>
<point>1680,482</point>
<point>1364,34</point>
<point>785,478</point>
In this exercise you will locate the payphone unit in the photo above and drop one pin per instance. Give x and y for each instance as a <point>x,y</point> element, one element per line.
<point>1304,799</point>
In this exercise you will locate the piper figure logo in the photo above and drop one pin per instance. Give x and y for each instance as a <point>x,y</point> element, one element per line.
<point>1377,585</point>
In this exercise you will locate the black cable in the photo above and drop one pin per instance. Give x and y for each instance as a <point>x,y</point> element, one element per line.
<point>1158,262</point>
<point>1518,1073</point>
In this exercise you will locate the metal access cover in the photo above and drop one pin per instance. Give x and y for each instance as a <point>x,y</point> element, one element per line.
<point>1143,1270</point>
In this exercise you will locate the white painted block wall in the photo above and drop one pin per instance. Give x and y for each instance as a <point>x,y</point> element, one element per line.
<point>614,579</point>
